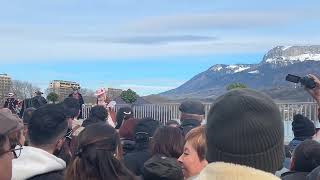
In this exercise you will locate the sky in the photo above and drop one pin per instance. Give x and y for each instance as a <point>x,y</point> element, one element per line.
<point>149,46</point>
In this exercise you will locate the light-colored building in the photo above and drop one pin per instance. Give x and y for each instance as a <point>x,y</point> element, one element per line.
<point>113,93</point>
<point>5,85</point>
<point>63,88</point>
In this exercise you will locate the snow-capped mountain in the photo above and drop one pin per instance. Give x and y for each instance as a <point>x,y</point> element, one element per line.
<point>269,73</point>
<point>230,69</point>
<point>285,55</point>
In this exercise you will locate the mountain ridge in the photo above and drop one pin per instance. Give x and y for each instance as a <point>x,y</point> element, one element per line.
<point>268,74</point>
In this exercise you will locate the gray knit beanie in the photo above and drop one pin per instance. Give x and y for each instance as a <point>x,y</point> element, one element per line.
<point>244,127</point>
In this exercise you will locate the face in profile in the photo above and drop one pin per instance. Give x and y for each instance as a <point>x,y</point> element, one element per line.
<point>190,162</point>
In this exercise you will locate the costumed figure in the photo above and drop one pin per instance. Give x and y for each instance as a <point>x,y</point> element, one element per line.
<point>11,103</point>
<point>103,100</point>
<point>76,94</point>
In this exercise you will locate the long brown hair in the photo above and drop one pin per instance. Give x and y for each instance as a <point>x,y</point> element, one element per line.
<point>98,155</point>
<point>167,141</point>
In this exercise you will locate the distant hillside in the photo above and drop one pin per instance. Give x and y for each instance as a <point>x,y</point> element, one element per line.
<point>268,75</point>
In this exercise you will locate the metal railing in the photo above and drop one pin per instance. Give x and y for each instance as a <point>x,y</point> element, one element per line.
<point>165,112</point>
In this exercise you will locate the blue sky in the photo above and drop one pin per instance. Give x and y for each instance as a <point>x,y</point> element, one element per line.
<point>147,45</point>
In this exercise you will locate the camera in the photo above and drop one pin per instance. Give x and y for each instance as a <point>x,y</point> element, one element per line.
<point>305,81</point>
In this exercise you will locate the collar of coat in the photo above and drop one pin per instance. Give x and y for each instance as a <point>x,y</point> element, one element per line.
<point>229,171</point>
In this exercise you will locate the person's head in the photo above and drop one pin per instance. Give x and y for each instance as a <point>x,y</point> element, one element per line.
<point>193,158</point>
<point>123,114</point>
<point>38,93</point>
<point>48,127</point>
<point>306,156</point>
<point>27,114</point>
<point>167,141</point>
<point>302,126</point>
<point>17,137</point>
<point>101,95</point>
<point>245,127</point>
<point>75,94</point>
<point>8,125</point>
<point>192,110</point>
<point>99,112</point>
<point>98,155</point>
<point>145,130</point>
<point>10,95</point>
<point>71,107</point>
<point>172,123</point>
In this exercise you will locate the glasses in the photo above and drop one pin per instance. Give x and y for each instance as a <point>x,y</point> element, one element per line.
<point>16,151</point>
<point>69,134</point>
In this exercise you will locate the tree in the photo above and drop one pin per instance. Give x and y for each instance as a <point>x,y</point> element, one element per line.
<point>235,86</point>
<point>129,96</point>
<point>88,95</point>
<point>23,89</point>
<point>53,97</point>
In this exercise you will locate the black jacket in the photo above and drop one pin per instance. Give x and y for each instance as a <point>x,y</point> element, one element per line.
<point>315,174</point>
<point>54,175</point>
<point>159,167</point>
<point>188,124</point>
<point>292,175</point>
<point>134,161</point>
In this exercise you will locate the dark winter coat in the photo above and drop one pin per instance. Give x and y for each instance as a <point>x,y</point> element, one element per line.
<point>294,175</point>
<point>134,161</point>
<point>188,124</point>
<point>160,167</point>
<point>55,175</point>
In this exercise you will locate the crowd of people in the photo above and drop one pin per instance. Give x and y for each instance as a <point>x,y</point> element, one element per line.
<point>242,138</point>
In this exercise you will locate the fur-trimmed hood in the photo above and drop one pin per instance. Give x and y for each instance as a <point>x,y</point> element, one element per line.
<point>33,162</point>
<point>228,171</point>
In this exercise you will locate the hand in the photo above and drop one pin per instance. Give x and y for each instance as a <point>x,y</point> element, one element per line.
<point>315,92</point>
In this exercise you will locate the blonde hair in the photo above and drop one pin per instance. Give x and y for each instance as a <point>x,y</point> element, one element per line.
<point>197,138</point>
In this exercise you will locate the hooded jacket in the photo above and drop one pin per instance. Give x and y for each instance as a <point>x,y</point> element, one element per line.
<point>228,171</point>
<point>188,124</point>
<point>34,163</point>
<point>160,167</point>
<point>294,175</point>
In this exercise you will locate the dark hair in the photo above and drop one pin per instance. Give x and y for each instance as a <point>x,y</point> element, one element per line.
<point>174,122</point>
<point>3,140</point>
<point>14,138</point>
<point>98,155</point>
<point>47,124</point>
<point>71,107</point>
<point>124,113</point>
<point>99,112</point>
<point>306,156</point>
<point>91,120</point>
<point>27,114</point>
<point>168,141</point>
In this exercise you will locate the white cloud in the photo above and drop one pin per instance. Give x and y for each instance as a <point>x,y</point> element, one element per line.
<point>176,35</point>
<point>217,20</point>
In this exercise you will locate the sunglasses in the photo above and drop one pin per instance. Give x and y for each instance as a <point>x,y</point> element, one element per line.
<point>15,151</point>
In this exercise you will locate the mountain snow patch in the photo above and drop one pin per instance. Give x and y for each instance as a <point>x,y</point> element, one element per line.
<point>254,72</point>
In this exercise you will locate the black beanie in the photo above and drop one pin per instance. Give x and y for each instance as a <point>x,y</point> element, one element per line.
<point>302,126</point>
<point>146,128</point>
<point>244,127</point>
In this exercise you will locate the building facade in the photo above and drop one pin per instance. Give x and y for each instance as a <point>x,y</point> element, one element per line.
<point>63,88</point>
<point>5,86</point>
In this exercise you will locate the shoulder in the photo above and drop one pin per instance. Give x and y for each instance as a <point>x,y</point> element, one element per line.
<point>54,175</point>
